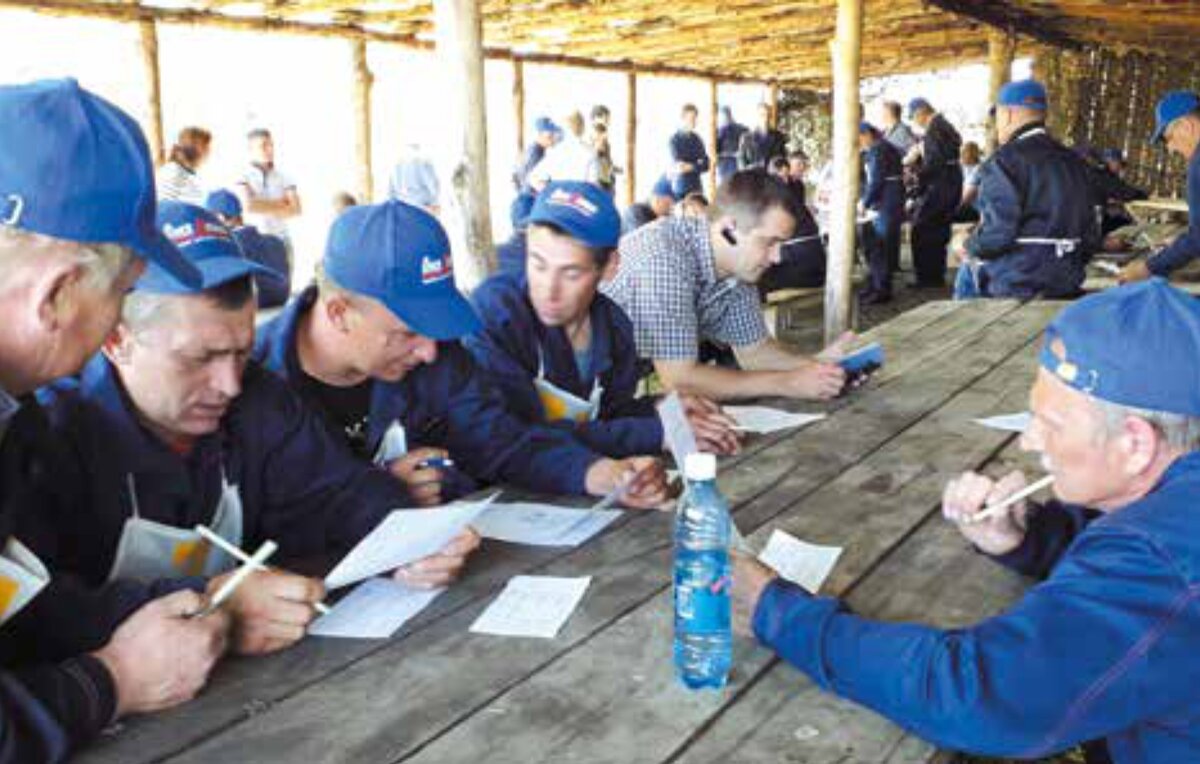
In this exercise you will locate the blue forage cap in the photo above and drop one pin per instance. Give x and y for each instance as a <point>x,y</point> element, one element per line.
<point>400,255</point>
<point>1172,106</point>
<point>224,202</point>
<point>208,246</point>
<point>546,125</point>
<point>75,167</point>
<point>1136,345</point>
<point>583,211</point>
<point>1026,94</point>
<point>662,187</point>
<point>918,103</point>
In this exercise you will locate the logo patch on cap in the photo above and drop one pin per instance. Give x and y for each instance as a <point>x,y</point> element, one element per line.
<point>436,269</point>
<point>194,233</point>
<point>574,200</point>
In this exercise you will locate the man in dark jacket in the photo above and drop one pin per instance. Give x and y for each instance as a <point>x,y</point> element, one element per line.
<point>883,201</point>
<point>689,158</point>
<point>762,144</point>
<point>729,140</point>
<point>1038,226</point>
<point>939,191</point>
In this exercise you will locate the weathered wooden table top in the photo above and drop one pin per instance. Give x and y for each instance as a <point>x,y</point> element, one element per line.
<point>869,478</point>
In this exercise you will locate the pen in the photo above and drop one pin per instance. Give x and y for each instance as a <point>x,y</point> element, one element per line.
<point>993,511</point>
<point>233,551</point>
<point>233,582</point>
<point>437,463</point>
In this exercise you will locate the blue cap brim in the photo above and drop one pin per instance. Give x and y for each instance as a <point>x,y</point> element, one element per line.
<point>159,252</point>
<point>212,273</point>
<point>446,317</point>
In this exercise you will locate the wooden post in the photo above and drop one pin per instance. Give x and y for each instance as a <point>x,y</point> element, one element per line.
<point>847,54</point>
<point>154,131</point>
<point>363,80</point>
<point>518,94</point>
<point>773,100</point>
<point>1001,47</point>
<point>460,50</point>
<point>714,105</point>
<point>631,85</point>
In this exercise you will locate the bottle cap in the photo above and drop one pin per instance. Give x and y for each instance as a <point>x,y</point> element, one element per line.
<point>700,467</point>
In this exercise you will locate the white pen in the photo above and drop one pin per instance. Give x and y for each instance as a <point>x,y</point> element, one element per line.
<point>989,513</point>
<point>233,551</point>
<point>616,494</point>
<point>233,582</point>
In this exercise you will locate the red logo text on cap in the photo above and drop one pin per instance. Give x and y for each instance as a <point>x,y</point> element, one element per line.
<point>574,200</point>
<point>436,269</point>
<point>194,233</point>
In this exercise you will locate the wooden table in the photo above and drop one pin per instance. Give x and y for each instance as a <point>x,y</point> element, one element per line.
<point>868,478</point>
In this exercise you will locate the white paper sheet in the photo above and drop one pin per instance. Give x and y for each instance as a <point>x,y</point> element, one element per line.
<point>680,438</point>
<point>798,561</point>
<point>532,606</point>
<point>404,536</point>
<point>1007,422</point>
<point>764,419</point>
<point>374,610</point>
<point>393,445</point>
<point>542,524</point>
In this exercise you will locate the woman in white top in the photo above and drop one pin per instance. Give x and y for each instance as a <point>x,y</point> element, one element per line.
<point>177,178</point>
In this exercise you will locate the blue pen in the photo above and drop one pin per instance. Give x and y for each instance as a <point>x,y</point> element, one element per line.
<point>436,463</point>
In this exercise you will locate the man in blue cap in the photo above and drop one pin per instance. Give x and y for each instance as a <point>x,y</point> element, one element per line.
<point>939,191</point>
<point>563,353</point>
<point>689,157</point>
<point>268,251</point>
<point>1038,223</point>
<point>658,205</point>
<point>374,346</point>
<point>1105,645</point>
<point>546,134</point>
<point>76,223</point>
<point>883,197</point>
<point>172,428</point>
<point>1177,126</point>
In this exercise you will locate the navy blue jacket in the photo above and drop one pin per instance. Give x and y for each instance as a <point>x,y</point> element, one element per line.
<point>449,405</point>
<point>1104,647</point>
<point>299,487</point>
<point>506,349</point>
<point>729,140</point>
<point>1187,247</point>
<point>1033,187</point>
<point>884,189</point>
<point>940,147</point>
<point>758,148</point>
<point>270,251</point>
<point>47,709</point>
<point>510,254</point>
<point>688,147</point>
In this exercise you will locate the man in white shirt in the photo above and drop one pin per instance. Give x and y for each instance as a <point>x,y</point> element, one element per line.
<point>569,159</point>
<point>268,196</point>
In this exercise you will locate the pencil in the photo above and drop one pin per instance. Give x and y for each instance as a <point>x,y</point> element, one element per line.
<point>994,511</point>
<point>233,582</point>
<point>217,541</point>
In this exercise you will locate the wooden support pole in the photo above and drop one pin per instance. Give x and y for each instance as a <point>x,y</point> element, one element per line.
<point>154,129</point>
<point>847,50</point>
<point>773,101</point>
<point>460,53</point>
<point>363,80</point>
<point>714,107</point>
<point>1001,47</point>
<point>631,85</point>
<point>518,94</point>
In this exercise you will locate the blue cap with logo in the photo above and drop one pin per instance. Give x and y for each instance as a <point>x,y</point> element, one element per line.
<point>546,125</point>
<point>1137,345</point>
<point>75,167</point>
<point>399,254</point>
<point>1026,94</point>
<point>207,244</point>
<point>1172,106</point>
<point>662,187</point>
<point>583,211</point>
<point>224,202</point>
<point>916,104</point>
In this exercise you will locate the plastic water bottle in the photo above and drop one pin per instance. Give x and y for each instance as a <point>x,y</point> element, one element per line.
<point>703,635</point>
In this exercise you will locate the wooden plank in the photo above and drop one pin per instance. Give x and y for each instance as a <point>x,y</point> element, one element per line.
<point>630,565</point>
<point>613,699</point>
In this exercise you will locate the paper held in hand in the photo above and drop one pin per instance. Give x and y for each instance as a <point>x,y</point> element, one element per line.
<point>404,536</point>
<point>678,430</point>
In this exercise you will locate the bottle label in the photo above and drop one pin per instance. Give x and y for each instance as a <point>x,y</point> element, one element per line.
<point>703,609</point>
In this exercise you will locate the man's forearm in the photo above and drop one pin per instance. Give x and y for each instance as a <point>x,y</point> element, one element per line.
<point>769,355</point>
<point>718,383</point>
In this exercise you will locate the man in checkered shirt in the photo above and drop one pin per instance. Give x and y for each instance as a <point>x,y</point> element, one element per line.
<point>684,280</point>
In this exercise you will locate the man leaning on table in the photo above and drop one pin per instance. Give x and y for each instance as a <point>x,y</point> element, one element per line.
<point>1104,646</point>
<point>173,427</point>
<point>76,223</point>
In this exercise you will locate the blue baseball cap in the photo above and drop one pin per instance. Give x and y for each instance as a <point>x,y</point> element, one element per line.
<point>867,127</point>
<point>207,244</point>
<point>520,209</point>
<point>1172,106</point>
<point>918,103</point>
<point>224,202</point>
<point>1137,345</point>
<point>584,211</point>
<point>75,167</point>
<point>546,125</point>
<point>1027,94</point>
<point>399,254</point>
<point>662,187</point>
